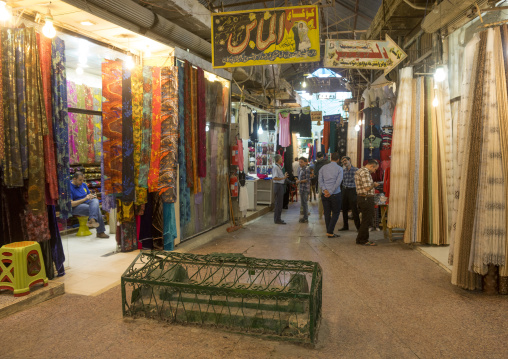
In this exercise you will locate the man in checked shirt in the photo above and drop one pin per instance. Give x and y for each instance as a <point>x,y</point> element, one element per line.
<point>365,192</point>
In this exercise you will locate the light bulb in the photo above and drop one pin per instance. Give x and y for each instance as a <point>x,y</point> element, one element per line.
<point>440,74</point>
<point>148,53</point>
<point>5,15</point>
<point>207,128</point>
<point>357,128</point>
<point>435,102</point>
<point>129,63</point>
<point>304,84</point>
<point>79,71</point>
<point>260,131</point>
<point>49,30</point>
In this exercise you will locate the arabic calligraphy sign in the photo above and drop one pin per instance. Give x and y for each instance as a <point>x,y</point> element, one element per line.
<point>316,115</point>
<point>363,54</point>
<point>327,96</point>
<point>265,36</point>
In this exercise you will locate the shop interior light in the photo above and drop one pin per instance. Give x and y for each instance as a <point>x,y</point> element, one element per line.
<point>148,53</point>
<point>130,63</point>
<point>304,84</point>
<point>435,102</point>
<point>49,30</point>
<point>440,74</point>
<point>87,23</point>
<point>207,128</point>
<point>260,131</point>
<point>357,128</point>
<point>82,60</point>
<point>5,15</point>
<point>79,71</point>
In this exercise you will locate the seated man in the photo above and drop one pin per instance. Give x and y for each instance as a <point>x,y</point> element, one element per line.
<point>86,204</point>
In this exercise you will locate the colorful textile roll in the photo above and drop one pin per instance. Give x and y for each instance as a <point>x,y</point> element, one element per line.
<point>153,175</point>
<point>112,126</point>
<point>201,122</point>
<point>49,147</point>
<point>146,128</point>
<point>188,125</point>
<point>21,87</point>
<point>60,125</point>
<point>127,139</point>
<point>169,134</point>
<point>72,99</point>
<point>184,190</point>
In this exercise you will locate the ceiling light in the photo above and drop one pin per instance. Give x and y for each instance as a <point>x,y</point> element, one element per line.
<point>5,15</point>
<point>148,53</point>
<point>260,131</point>
<point>207,128</point>
<point>49,30</point>
<point>357,128</point>
<point>79,71</point>
<point>87,23</point>
<point>440,74</point>
<point>83,59</point>
<point>304,84</point>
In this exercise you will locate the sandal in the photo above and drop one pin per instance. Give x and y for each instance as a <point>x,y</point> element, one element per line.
<point>370,244</point>
<point>333,236</point>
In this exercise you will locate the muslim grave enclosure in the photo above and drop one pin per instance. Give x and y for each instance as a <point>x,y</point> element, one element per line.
<point>279,299</point>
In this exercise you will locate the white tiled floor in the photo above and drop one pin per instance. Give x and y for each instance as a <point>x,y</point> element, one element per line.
<point>87,271</point>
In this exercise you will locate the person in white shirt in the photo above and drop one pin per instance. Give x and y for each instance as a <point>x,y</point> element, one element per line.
<point>296,167</point>
<point>279,179</point>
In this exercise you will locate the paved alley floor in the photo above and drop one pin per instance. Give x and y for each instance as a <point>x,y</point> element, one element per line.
<point>387,301</point>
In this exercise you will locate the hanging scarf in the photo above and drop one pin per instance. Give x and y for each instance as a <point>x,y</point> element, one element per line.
<point>22,49</point>
<point>97,124</point>
<point>89,126</point>
<point>169,134</point>
<point>60,125</point>
<point>153,175</point>
<point>170,230</point>
<point>194,127</point>
<point>112,125</point>
<point>2,128</point>
<point>127,139</point>
<point>72,99</point>
<point>184,190</point>
<point>201,122</point>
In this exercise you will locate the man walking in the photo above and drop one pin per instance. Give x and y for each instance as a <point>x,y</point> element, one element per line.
<point>304,182</point>
<point>330,177</point>
<point>320,162</point>
<point>349,194</point>
<point>365,191</point>
<point>279,179</point>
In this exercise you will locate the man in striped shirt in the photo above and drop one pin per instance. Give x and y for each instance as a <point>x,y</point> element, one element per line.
<point>365,192</point>
<point>349,194</point>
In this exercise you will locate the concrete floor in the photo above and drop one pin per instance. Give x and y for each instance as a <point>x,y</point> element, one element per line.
<point>378,302</point>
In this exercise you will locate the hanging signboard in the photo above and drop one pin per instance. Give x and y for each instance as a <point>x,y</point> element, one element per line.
<point>327,96</point>
<point>363,54</point>
<point>332,118</point>
<point>316,115</point>
<point>265,36</point>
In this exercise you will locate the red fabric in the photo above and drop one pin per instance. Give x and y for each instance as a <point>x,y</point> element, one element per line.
<point>386,185</point>
<point>326,135</point>
<point>188,130</point>
<point>201,103</point>
<point>386,155</point>
<point>153,174</point>
<point>49,147</point>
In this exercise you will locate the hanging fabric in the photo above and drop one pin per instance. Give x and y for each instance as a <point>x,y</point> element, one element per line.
<point>194,127</point>
<point>72,98</point>
<point>170,232</point>
<point>97,124</point>
<point>153,174</point>
<point>128,188</point>
<point>81,139</point>
<point>201,122</point>
<point>2,127</point>
<point>89,126</point>
<point>326,135</point>
<point>60,125</point>
<point>184,190</point>
<point>21,47</point>
<point>44,45</point>
<point>189,160</point>
<point>169,135</point>
<point>137,118</point>
<point>284,133</point>
<point>146,128</point>
<point>112,125</point>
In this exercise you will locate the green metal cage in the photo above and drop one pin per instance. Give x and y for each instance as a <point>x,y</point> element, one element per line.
<point>279,299</point>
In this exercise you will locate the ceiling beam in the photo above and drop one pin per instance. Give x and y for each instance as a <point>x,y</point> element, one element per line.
<point>356,14</point>
<point>346,6</point>
<point>239,4</point>
<point>342,20</point>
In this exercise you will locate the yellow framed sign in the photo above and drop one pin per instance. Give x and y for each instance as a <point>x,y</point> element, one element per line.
<point>265,36</point>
